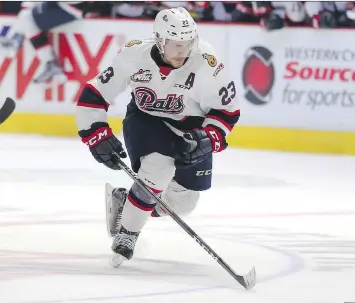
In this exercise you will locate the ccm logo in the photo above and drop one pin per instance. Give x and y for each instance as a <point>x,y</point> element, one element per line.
<point>97,137</point>
<point>203,172</point>
<point>205,248</point>
<point>217,144</point>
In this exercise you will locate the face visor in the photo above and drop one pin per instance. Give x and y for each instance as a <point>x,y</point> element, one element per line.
<point>178,49</point>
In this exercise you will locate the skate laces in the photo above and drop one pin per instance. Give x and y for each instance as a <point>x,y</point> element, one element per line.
<point>126,238</point>
<point>128,241</point>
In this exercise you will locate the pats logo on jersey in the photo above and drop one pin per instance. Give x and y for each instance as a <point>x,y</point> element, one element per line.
<point>142,76</point>
<point>147,100</point>
<point>258,75</point>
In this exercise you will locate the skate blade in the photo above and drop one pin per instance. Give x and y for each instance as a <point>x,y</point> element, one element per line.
<point>108,200</point>
<point>117,260</point>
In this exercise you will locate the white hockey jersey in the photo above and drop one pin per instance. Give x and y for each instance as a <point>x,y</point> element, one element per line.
<point>202,87</point>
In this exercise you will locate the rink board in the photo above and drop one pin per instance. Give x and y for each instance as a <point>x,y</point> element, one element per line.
<point>295,91</point>
<point>242,136</point>
<point>49,124</point>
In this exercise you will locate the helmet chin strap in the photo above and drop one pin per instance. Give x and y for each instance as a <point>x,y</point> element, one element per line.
<point>163,57</point>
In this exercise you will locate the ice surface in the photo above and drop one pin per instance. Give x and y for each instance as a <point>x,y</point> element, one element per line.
<point>291,215</point>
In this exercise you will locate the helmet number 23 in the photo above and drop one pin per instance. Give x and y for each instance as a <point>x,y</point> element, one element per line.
<point>106,75</point>
<point>227,93</point>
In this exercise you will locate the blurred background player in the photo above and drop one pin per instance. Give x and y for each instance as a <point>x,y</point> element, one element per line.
<point>329,14</point>
<point>274,15</point>
<point>183,106</point>
<point>33,23</point>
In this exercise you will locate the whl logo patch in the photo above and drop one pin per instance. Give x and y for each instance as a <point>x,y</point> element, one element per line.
<point>142,76</point>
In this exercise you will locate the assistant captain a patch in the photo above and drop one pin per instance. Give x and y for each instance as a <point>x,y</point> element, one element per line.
<point>143,76</point>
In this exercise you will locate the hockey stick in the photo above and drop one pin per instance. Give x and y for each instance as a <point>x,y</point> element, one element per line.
<point>247,281</point>
<point>7,109</point>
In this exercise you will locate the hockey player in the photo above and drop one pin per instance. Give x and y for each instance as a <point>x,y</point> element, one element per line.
<point>183,106</point>
<point>33,22</point>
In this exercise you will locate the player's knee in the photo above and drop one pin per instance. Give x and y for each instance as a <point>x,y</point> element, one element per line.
<point>156,170</point>
<point>183,201</point>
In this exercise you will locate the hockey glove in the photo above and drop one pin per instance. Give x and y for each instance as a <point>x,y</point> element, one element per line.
<point>200,143</point>
<point>102,144</point>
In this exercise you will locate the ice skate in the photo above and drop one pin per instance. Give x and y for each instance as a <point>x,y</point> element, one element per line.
<point>123,246</point>
<point>115,200</point>
<point>52,71</point>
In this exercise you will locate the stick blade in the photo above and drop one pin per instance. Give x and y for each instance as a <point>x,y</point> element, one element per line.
<point>7,109</point>
<point>249,280</point>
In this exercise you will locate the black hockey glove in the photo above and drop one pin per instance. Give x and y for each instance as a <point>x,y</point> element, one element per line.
<point>103,144</point>
<point>200,143</point>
